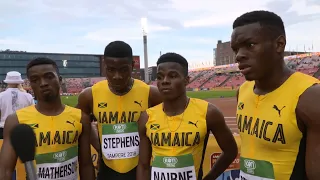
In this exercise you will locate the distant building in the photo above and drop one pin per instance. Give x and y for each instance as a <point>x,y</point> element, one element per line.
<point>70,65</point>
<point>223,53</point>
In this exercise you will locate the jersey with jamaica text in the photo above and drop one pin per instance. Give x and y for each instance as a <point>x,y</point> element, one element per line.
<point>117,123</point>
<point>272,145</point>
<point>178,142</point>
<point>57,142</point>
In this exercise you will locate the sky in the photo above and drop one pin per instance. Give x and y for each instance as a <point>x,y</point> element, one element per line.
<point>188,27</point>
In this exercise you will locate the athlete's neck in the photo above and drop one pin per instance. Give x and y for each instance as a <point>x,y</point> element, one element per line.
<point>274,80</point>
<point>52,108</point>
<point>124,91</point>
<point>176,106</point>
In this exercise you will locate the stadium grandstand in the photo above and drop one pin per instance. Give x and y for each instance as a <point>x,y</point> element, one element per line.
<point>205,78</point>
<point>229,77</point>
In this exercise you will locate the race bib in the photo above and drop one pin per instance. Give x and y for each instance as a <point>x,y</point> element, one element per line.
<point>62,165</point>
<point>173,168</point>
<point>120,141</point>
<point>251,169</point>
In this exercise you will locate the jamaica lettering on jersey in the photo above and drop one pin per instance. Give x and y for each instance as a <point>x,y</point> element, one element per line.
<point>117,116</point>
<point>57,137</point>
<point>57,142</point>
<point>178,146</point>
<point>270,137</point>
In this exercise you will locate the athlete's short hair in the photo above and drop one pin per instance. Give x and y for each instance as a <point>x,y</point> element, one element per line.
<point>118,49</point>
<point>267,20</point>
<point>174,57</point>
<point>41,61</point>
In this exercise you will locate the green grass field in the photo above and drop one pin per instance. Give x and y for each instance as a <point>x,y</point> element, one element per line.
<point>72,100</point>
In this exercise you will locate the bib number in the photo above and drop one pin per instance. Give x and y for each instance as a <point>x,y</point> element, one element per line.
<point>120,141</point>
<point>252,169</point>
<point>173,168</point>
<point>61,165</point>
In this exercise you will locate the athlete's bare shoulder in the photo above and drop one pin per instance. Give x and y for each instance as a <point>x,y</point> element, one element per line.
<point>308,113</point>
<point>85,100</point>
<point>308,106</point>
<point>154,96</point>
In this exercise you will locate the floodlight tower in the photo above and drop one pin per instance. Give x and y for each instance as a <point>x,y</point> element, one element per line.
<point>145,48</point>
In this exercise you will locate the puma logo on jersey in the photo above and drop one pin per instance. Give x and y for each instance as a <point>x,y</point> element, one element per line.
<point>72,123</point>
<point>139,103</point>
<point>195,124</point>
<point>277,109</point>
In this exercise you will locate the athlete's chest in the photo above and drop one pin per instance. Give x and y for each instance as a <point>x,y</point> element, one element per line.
<point>267,120</point>
<point>53,132</point>
<point>119,110</point>
<point>176,132</point>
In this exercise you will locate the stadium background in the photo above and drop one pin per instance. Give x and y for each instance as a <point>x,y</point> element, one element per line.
<point>216,84</point>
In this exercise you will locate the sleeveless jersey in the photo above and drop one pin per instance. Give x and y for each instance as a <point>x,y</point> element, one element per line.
<point>178,142</point>
<point>272,145</point>
<point>57,142</point>
<point>117,126</point>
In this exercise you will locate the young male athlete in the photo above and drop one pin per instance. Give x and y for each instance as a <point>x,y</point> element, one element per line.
<point>62,132</point>
<point>174,134</point>
<point>117,103</point>
<point>278,109</point>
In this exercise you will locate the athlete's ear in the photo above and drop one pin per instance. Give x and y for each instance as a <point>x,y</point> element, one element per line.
<point>187,80</point>
<point>281,44</point>
<point>60,79</point>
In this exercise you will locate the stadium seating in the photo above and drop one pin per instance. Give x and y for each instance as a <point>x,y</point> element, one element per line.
<point>209,78</point>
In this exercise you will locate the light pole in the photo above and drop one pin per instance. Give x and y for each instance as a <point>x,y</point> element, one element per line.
<point>145,48</point>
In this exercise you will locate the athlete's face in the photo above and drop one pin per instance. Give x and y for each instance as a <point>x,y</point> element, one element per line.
<point>256,51</point>
<point>171,80</point>
<point>44,82</point>
<point>118,72</point>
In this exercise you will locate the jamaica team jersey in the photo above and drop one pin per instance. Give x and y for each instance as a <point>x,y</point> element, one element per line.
<point>272,145</point>
<point>117,123</point>
<point>57,142</point>
<point>178,142</point>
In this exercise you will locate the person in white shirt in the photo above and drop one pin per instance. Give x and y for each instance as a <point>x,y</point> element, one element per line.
<point>13,98</point>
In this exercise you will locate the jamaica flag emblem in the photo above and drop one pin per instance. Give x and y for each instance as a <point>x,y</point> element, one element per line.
<point>34,126</point>
<point>102,105</point>
<point>154,126</point>
<point>240,106</point>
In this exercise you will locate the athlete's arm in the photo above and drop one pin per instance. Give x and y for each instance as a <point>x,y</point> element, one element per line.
<point>143,169</point>
<point>85,103</point>
<point>309,115</point>
<point>8,157</point>
<point>155,97</point>
<point>217,125</point>
<point>85,162</point>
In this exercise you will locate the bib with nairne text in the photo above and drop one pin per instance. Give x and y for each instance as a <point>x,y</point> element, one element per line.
<point>62,165</point>
<point>173,168</point>
<point>252,169</point>
<point>120,141</point>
